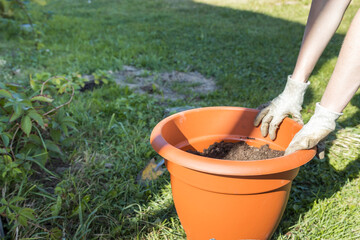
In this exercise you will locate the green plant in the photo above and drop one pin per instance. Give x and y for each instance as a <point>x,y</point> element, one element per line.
<point>14,11</point>
<point>14,213</point>
<point>64,83</point>
<point>13,8</point>
<point>61,83</point>
<point>102,76</point>
<point>33,127</point>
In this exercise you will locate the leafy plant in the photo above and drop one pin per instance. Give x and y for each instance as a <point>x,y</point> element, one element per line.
<point>64,83</point>
<point>15,213</point>
<point>61,83</point>
<point>101,76</point>
<point>33,126</point>
<point>12,8</point>
<point>12,11</point>
<point>29,123</point>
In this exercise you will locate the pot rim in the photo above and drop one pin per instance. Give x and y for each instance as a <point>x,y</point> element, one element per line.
<point>225,167</point>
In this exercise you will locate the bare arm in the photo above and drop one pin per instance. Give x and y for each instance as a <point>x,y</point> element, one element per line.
<point>324,18</point>
<point>343,84</point>
<point>345,80</point>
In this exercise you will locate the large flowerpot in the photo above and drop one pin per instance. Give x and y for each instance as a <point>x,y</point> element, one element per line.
<point>223,199</point>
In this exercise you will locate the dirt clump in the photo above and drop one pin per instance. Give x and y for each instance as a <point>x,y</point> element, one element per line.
<point>238,151</point>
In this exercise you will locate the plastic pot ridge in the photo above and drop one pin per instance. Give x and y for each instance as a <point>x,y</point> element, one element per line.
<point>223,199</point>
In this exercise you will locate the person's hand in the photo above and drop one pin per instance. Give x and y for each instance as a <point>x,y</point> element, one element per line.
<point>287,103</point>
<point>319,126</point>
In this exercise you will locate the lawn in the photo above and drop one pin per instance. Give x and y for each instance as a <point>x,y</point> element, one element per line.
<point>248,47</point>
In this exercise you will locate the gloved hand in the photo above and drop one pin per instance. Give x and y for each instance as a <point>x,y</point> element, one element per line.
<point>287,103</point>
<point>319,126</point>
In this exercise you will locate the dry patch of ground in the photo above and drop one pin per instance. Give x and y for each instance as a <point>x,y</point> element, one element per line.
<point>168,85</point>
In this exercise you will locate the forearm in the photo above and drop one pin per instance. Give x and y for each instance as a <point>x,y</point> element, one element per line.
<point>345,80</point>
<point>324,18</point>
<point>343,84</point>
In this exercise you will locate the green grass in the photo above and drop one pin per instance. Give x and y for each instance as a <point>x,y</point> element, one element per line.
<point>249,47</point>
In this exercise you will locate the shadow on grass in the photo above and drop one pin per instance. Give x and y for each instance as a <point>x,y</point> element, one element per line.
<point>317,180</point>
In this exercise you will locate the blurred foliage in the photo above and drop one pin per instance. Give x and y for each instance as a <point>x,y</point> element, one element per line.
<point>14,8</point>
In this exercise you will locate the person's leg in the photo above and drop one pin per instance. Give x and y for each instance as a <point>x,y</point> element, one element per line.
<point>324,18</point>
<point>345,80</point>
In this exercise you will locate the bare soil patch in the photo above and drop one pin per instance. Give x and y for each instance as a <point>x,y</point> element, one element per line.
<point>167,85</point>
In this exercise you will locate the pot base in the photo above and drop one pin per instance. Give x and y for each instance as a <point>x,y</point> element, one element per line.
<point>228,209</point>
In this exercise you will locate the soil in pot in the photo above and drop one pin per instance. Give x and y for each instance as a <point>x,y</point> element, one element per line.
<point>238,151</point>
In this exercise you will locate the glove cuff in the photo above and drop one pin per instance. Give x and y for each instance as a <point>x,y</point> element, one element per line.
<point>294,91</point>
<point>296,86</point>
<point>322,111</point>
<point>324,118</point>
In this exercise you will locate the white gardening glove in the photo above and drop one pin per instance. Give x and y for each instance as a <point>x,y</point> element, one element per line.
<point>319,126</point>
<point>287,103</point>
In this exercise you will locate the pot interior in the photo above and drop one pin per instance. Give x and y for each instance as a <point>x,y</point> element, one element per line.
<point>197,129</point>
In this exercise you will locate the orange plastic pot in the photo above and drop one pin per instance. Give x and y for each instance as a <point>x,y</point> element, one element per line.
<point>223,199</point>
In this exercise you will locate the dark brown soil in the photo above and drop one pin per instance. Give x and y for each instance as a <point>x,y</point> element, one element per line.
<point>239,151</point>
<point>90,85</point>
